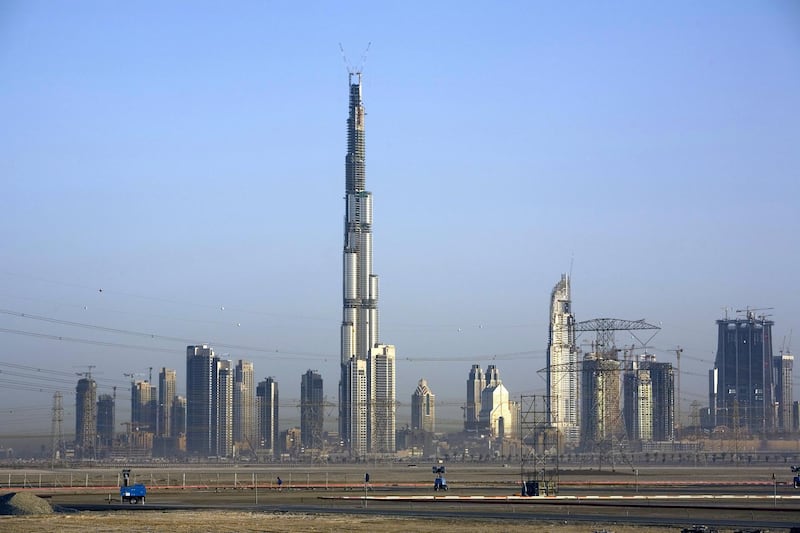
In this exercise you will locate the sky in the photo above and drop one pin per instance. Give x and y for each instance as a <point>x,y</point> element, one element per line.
<point>173,173</point>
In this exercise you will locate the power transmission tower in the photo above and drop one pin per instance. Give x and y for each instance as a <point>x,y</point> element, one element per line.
<point>57,431</point>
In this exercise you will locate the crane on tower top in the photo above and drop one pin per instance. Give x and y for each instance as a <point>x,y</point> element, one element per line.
<point>750,313</point>
<point>88,374</point>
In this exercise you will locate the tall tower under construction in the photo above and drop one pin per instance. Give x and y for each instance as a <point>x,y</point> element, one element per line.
<point>742,384</point>
<point>359,330</point>
<point>86,416</point>
<point>562,365</point>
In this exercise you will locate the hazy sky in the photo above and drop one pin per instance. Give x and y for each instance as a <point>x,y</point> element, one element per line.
<point>187,158</point>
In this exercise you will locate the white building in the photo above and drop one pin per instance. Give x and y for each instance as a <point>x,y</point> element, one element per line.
<point>423,408</point>
<point>385,405</point>
<point>224,408</point>
<point>496,411</point>
<point>563,384</point>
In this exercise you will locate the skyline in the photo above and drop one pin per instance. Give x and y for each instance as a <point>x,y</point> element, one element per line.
<point>188,164</point>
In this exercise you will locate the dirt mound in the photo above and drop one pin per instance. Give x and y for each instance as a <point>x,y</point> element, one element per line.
<point>23,503</point>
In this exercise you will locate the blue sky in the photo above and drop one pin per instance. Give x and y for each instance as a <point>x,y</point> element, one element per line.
<point>189,156</point>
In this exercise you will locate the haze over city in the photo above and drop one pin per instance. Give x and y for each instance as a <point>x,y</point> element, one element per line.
<point>178,170</point>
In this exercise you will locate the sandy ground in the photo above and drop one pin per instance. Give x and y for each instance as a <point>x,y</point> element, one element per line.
<point>230,521</point>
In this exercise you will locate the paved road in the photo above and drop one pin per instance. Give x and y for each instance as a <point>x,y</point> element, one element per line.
<point>668,514</point>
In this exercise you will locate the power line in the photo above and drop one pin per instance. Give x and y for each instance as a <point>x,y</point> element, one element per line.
<point>182,340</point>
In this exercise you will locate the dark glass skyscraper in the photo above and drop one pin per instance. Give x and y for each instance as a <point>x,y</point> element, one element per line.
<point>201,401</point>
<point>742,384</point>
<point>311,409</point>
<point>105,421</point>
<point>267,408</point>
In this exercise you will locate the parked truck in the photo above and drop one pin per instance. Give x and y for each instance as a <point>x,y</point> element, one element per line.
<point>131,493</point>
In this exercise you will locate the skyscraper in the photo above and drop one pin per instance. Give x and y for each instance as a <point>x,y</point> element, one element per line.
<point>784,364</point>
<point>142,407</point>
<point>244,398</point>
<point>423,408</point>
<point>311,409</point>
<point>600,409</point>
<point>201,401</point>
<point>359,329</point>
<point>384,422</point>
<point>105,421</point>
<point>224,408</point>
<point>178,417</point>
<point>357,406</point>
<point>166,395</point>
<point>637,391</point>
<point>742,381</point>
<point>662,379</point>
<point>562,364</point>
<point>268,416</point>
<point>86,416</point>
<point>492,376</point>
<point>475,384</point>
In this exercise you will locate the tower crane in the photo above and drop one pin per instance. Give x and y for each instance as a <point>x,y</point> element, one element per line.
<point>750,313</point>
<point>87,375</point>
<point>786,347</point>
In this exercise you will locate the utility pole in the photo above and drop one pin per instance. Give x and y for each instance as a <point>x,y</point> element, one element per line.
<point>678,352</point>
<point>56,429</point>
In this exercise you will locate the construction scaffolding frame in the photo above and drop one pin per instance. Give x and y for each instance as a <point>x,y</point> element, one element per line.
<point>539,448</point>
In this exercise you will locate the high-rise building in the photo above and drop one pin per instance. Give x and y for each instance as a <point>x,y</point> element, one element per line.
<point>356,386</point>
<point>475,384</point>
<point>267,407</point>
<point>244,409</point>
<point>359,330</point>
<point>742,384</point>
<point>224,408</point>
<point>637,408</point>
<point>385,406</point>
<point>311,410</point>
<point>784,364</point>
<point>423,408</point>
<point>86,417</point>
<point>662,381</point>
<point>178,417</point>
<point>600,409</point>
<point>201,401</point>
<point>105,421</point>
<point>143,407</point>
<point>496,414</point>
<point>166,395</point>
<point>492,376</point>
<point>562,365</point>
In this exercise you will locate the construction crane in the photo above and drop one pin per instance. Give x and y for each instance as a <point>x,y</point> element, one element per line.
<point>750,313</point>
<point>678,352</point>
<point>786,347</point>
<point>87,375</point>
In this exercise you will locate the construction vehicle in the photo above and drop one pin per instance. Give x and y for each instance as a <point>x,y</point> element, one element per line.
<point>131,493</point>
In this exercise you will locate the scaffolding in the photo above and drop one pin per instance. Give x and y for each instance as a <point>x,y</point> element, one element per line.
<point>539,448</point>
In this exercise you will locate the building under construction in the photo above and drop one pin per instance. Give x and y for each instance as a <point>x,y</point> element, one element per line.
<point>741,384</point>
